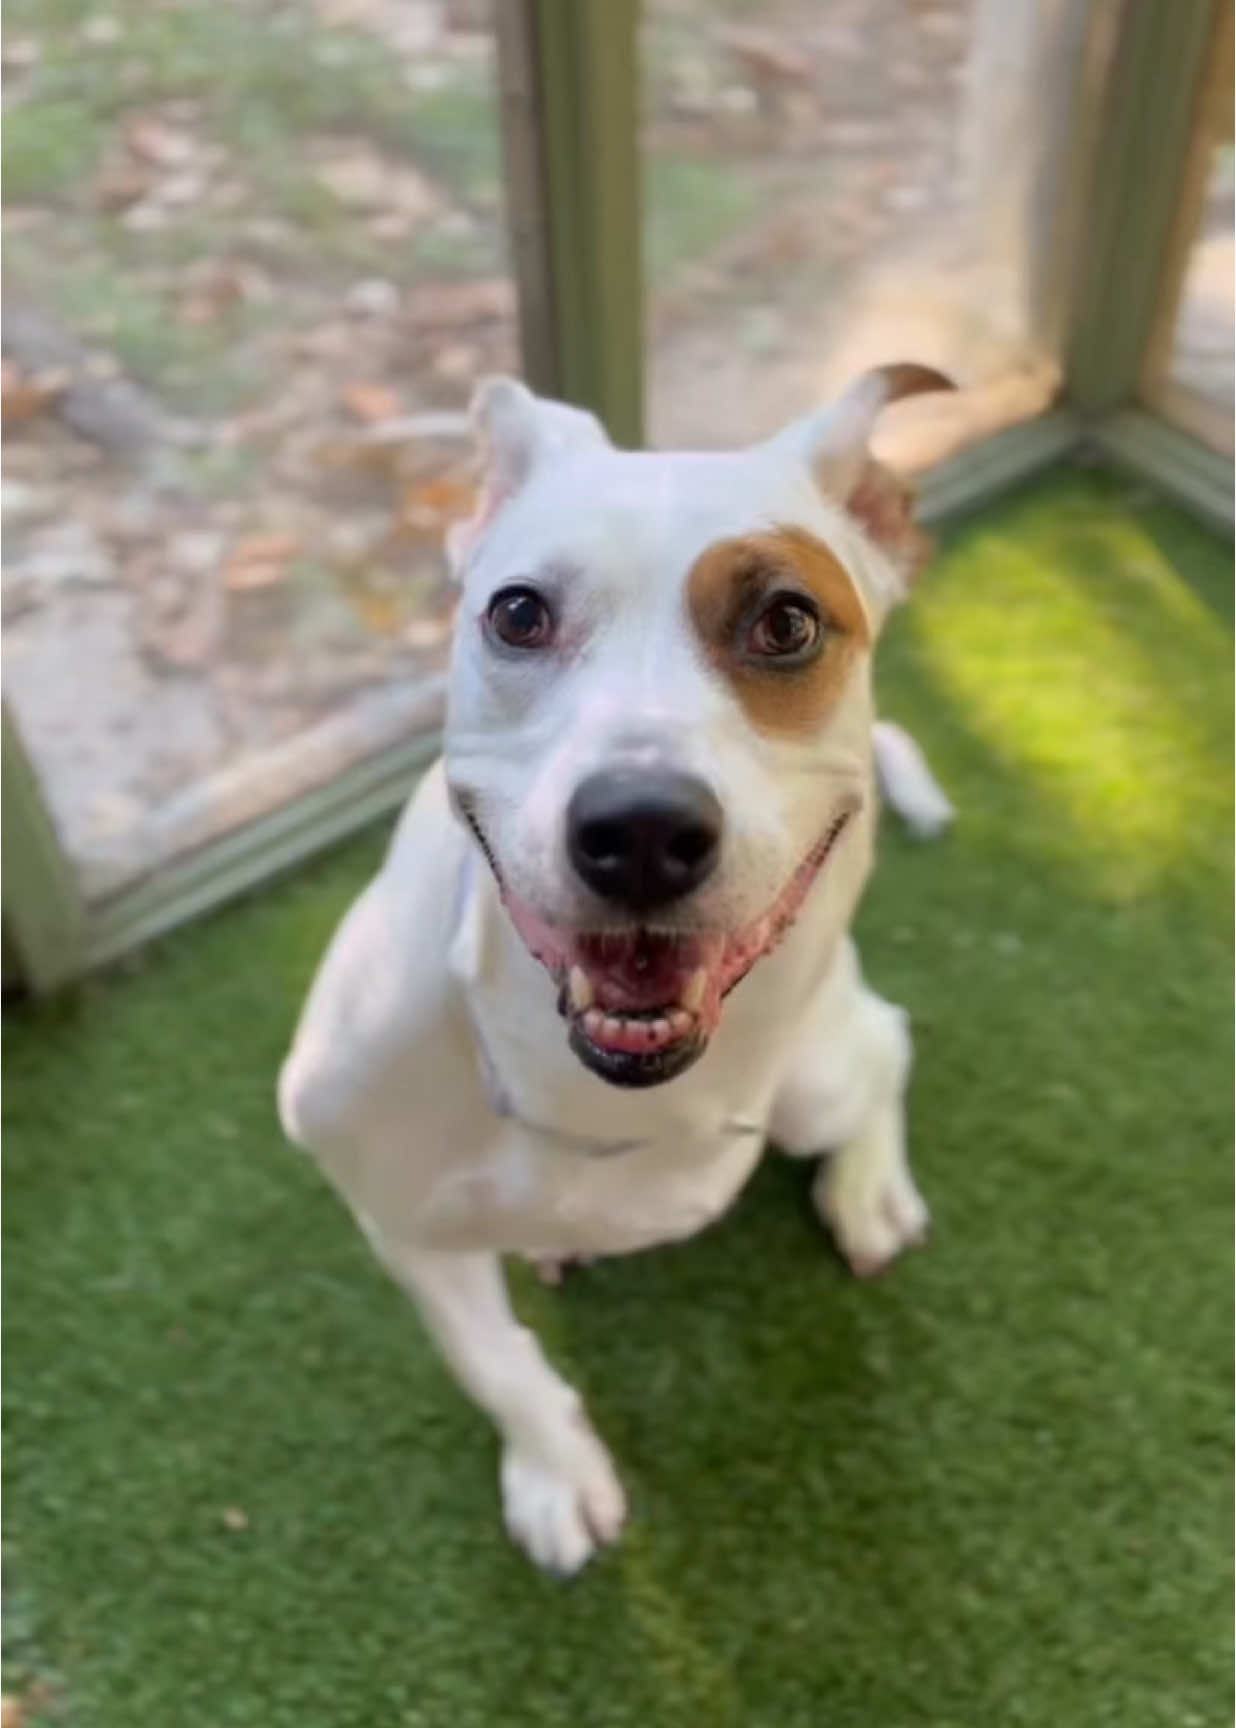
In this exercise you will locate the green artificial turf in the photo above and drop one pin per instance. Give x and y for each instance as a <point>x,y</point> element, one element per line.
<point>992,1489</point>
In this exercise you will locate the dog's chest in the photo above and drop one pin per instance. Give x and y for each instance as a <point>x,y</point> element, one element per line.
<point>539,1192</point>
<point>574,1166</point>
<point>571,1164</point>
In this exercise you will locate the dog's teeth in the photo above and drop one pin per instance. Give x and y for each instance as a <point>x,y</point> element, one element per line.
<point>610,1027</point>
<point>694,991</point>
<point>593,1021</point>
<point>660,1029</point>
<point>680,1022</point>
<point>580,986</point>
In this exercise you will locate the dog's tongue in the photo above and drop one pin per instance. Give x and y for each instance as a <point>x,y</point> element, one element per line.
<point>643,970</point>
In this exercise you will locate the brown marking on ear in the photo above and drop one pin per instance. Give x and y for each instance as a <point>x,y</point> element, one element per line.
<point>908,378</point>
<point>883,504</point>
<point>726,587</point>
<point>880,500</point>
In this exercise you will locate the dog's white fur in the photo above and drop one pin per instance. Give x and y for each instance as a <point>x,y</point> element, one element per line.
<point>430,1075</point>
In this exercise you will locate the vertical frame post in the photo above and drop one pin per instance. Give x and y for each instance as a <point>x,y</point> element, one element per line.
<point>1212,125</point>
<point>44,919</point>
<point>570,98</point>
<point>1141,159</point>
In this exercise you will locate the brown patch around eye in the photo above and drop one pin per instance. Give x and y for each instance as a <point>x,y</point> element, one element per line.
<point>725,588</point>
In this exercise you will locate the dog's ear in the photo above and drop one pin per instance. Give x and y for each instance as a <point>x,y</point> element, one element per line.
<point>834,445</point>
<point>517,431</point>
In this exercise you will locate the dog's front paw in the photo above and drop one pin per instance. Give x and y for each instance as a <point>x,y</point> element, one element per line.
<point>874,1214</point>
<point>561,1511</point>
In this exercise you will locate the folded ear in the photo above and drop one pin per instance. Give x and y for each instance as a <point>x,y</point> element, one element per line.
<point>834,445</point>
<point>517,431</point>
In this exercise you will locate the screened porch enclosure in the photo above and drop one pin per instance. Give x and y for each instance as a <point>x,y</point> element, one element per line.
<point>254,275</point>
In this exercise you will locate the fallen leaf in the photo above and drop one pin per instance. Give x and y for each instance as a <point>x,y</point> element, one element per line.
<point>214,291</point>
<point>371,404</point>
<point>101,30</point>
<point>146,217</point>
<point>391,225</point>
<point>184,188</point>
<point>21,52</point>
<point>262,548</point>
<point>161,145</point>
<point>380,610</point>
<point>425,633</point>
<point>766,56</point>
<point>234,1518</point>
<point>188,641</point>
<point>426,506</point>
<point>11,1713</point>
<point>455,305</point>
<point>194,552</point>
<point>372,298</point>
<point>457,361</point>
<point>356,455</point>
<point>325,342</point>
<point>345,14</point>
<point>468,16</point>
<point>359,177</point>
<point>26,395</point>
<point>355,177</point>
<point>121,184</point>
<point>259,561</point>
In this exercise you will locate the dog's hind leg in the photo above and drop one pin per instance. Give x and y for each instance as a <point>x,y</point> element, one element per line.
<point>843,1095</point>
<point>561,1496</point>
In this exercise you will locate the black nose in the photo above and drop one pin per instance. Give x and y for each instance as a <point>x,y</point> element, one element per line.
<point>643,837</point>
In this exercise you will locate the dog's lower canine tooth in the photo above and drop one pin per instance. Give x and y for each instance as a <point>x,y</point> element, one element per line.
<point>680,1022</point>
<point>580,986</point>
<point>694,991</point>
<point>593,1022</point>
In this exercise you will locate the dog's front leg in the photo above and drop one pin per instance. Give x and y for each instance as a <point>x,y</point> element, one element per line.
<point>843,1095</point>
<point>561,1496</point>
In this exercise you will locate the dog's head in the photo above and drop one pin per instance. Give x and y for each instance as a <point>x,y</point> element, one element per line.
<point>659,720</point>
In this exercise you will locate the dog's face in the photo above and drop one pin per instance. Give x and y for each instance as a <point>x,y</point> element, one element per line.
<point>659,717</point>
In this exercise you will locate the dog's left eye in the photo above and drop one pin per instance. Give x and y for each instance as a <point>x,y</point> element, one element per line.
<point>787,629</point>
<point>520,617</point>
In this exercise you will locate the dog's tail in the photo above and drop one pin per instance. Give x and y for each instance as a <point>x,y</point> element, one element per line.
<point>907,782</point>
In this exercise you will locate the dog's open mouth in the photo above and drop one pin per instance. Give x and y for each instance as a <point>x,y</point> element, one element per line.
<point>641,1002</point>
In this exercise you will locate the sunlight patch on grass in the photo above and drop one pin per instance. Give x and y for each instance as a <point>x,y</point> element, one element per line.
<point>1088,667</point>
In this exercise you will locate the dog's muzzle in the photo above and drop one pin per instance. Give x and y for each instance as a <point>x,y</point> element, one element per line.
<point>641,1000</point>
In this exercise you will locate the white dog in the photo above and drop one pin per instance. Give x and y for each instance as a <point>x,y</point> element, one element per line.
<point>528,1035</point>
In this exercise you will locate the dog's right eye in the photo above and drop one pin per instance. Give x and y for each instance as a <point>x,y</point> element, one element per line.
<point>520,618</point>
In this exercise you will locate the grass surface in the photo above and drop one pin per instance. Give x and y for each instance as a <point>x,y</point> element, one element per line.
<point>991,1489</point>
